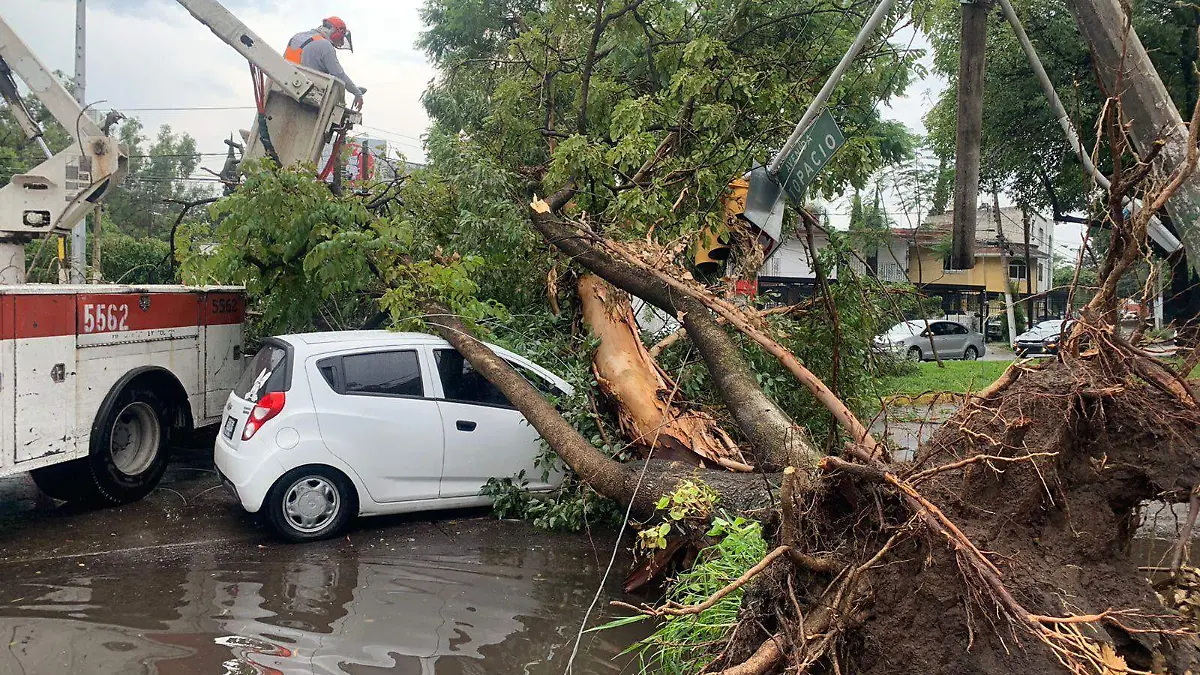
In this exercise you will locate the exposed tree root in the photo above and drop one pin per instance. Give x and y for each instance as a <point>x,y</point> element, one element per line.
<point>1012,557</point>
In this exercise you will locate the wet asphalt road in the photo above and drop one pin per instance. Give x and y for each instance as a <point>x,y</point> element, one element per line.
<point>184,583</point>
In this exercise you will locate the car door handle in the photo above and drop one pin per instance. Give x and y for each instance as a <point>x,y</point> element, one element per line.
<point>465,425</point>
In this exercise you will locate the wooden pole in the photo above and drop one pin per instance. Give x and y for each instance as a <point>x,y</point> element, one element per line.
<point>969,131</point>
<point>1028,272</point>
<point>1008,300</point>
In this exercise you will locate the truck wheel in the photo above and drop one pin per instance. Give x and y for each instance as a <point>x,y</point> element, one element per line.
<point>310,503</point>
<point>129,447</point>
<point>69,481</point>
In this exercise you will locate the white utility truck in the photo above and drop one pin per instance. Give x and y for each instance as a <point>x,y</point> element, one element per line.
<point>95,379</point>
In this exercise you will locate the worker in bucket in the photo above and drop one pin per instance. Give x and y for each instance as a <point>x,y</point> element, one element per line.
<point>317,49</point>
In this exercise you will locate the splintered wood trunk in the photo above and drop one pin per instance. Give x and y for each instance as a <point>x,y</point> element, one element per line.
<point>648,406</point>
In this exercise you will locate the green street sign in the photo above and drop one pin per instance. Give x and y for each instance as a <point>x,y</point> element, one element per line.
<point>820,140</point>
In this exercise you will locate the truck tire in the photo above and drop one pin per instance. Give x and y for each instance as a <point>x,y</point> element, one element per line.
<point>69,481</point>
<point>129,448</point>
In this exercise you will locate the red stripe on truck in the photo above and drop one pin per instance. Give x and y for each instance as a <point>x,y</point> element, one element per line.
<point>43,315</point>
<point>7,328</point>
<point>222,309</point>
<point>118,312</point>
<point>51,315</point>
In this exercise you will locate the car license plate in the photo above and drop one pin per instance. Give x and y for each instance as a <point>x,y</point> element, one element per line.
<point>230,425</point>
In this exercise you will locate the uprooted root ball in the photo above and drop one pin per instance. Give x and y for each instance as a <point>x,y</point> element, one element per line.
<point>1064,460</point>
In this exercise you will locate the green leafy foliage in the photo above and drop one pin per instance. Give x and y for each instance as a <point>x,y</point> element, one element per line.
<point>691,502</point>
<point>682,644</point>
<point>158,172</point>
<point>514,76</point>
<point>573,508</point>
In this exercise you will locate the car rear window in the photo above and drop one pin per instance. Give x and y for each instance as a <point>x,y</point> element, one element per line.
<point>266,374</point>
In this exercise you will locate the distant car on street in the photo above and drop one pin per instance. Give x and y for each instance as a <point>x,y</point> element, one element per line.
<point>950,339</point>
<point>1043,338</point>
<point>993,329</point>
<point>324,427</point>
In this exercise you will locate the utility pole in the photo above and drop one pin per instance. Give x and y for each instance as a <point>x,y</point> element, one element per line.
<point>1120,57</point>
<point>1008,300</point>
<point>969,130</point>
<point>79,232</point>
<point>1028,272</point>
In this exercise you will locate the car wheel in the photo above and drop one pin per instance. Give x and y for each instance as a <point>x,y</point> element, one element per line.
<point>971,354</point>
<point>914,354</point>
<point>311,503</point>
<point>129,453</point>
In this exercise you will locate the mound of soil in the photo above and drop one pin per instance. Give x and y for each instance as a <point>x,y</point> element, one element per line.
<point>1058,527</point>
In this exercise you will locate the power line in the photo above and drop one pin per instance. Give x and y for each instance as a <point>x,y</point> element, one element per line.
<point>393,133</point>
<point>190,108</point>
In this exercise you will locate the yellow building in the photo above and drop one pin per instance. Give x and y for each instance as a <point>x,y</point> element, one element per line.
<point>980,290</point>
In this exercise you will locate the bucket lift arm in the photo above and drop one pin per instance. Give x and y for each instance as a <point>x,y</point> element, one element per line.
<point>55,195</point>
<point>312,109</point>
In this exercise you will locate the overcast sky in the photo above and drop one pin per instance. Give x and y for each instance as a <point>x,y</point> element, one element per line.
<point>153,54</point>
<point>144,55</point>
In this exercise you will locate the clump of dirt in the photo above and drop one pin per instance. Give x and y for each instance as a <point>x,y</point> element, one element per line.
<point>1057,523</point>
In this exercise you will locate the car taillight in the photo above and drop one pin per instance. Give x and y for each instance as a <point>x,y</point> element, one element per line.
<point>267,407</point>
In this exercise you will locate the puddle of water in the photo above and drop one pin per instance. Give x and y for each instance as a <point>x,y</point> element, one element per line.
<point>490,598</point>
<point>909,426</point>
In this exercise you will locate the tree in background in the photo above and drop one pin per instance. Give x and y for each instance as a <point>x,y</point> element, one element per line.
<point>159,170</point>
<point>1024,150</point>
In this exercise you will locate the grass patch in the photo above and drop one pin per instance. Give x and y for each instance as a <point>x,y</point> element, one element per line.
<point>957,377</point>
<point>685,644</point>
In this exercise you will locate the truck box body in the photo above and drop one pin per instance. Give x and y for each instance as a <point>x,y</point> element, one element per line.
<point>63,349</point>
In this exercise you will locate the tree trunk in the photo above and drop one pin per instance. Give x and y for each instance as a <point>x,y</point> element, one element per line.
<point>775,438</point>
<point>636,484</point>
<point>648,407</point>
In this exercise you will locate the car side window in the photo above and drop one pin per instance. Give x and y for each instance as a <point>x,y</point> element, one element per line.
<point>462,383</point>
<point>958,329</point>
<point>389,373</point>
<point>937,328</point>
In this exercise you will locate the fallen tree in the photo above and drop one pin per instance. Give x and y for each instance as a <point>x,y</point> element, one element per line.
<point>649,409</point>
<point>1002,547</point>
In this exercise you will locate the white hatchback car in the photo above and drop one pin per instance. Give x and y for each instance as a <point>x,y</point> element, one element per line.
<point>326,426</point>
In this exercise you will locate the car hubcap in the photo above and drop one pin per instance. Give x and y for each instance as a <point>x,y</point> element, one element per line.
<point>135,439</point>
<point>311,503</point>
<point>971,355</point>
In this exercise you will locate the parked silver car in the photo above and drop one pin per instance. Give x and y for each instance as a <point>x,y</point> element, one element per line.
<point>950,339</point>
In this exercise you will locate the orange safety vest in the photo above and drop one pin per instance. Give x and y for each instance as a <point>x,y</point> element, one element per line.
<point>293,54</point>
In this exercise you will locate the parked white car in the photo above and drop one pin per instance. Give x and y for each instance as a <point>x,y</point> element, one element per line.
<point>326,426</point>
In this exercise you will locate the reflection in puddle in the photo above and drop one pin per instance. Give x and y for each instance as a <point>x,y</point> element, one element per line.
<point>480,604</point>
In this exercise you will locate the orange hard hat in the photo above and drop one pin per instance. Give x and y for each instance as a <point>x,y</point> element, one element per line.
<point>339,29</point>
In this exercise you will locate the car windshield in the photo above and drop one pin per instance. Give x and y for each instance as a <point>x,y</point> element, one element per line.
<point>1053,324</point>
<point>906,329</point>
